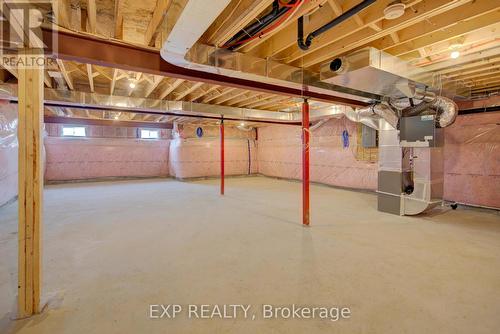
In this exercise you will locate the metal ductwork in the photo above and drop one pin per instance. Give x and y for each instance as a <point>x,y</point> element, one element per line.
<point>409,120</point>
<point>410,136</point>
<point>94,101</point>
<point>389,76</point>
<point>367,75</point>
<point>181,49</point>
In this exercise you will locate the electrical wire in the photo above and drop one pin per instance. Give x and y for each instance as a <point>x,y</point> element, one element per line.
<point>285,4</point>
<point>294,7</point>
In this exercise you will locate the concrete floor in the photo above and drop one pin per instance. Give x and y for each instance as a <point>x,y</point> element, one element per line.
<point>112,249</point>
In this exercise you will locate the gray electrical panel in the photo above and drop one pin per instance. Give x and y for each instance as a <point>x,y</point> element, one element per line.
<point>418,129</point>
<point>368,136</point>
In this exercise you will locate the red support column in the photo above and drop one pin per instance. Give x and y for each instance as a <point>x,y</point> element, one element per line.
<point>222,156</point>
<point>305,163</point>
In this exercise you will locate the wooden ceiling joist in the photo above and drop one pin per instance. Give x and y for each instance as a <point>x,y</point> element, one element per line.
<point>118,19</point>
<point>114,74</point>
<point>424,35</point>
<point>453,63</point>
<point>450,24</point>
<point>65,74</point>
<point>245,97</point>
<point>304,9</point>
<point>229,97</point>
<point>329,45</point>
<point>90,76</point>
<point>218,93</point>
<point>188,91</point>
<point>285,41</point>
<point>170,88</point>
<point>152,86</point>
<point>459,32</point>
<point>92,16</point>
<point>246,11</point>
<point>159,12</point>
<point>203,93</point>
<point>61,12</point>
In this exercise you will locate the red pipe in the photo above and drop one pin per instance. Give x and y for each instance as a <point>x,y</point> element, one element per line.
<point>222,157</point>
<point>305,163</point>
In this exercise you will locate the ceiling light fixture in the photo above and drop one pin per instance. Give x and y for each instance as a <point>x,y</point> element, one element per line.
<point>394,10</point>
<point>455,54</point>
<point>131,84</point>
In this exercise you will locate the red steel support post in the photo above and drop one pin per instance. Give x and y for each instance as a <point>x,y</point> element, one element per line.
<point>305,163</point>
<point>222,156</point>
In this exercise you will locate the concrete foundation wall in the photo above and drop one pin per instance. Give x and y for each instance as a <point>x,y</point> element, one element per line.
<point>472,155</point>
<point>472,160</point>
<point>193,156</point>
<point>280,148</point>
<point>84,158</point>
<point>105,152</point>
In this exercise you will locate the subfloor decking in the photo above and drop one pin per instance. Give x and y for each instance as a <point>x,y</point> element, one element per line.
<point>111,249</point>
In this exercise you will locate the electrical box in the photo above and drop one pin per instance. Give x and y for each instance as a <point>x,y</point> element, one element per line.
<point>417,131</point>
<point>368,137</point>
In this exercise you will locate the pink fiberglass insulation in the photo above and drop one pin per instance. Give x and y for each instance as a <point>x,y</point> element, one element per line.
<point>89,158</point>
<point>191,156</point>
<point>8,153</point>
<point>97,131</point>
<point>280,148</point>
<point>211,131</point>
<point>472,160</point>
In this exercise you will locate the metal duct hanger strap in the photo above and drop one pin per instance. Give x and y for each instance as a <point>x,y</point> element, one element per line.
<point>306,44</point>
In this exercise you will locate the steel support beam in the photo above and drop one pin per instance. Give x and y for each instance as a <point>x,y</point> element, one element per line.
<point>305,163</point>
<point>98,51</point>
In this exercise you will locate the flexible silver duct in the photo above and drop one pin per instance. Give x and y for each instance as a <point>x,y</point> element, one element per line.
<point>445,108</point>
<point>321,122</point>
<point>370,115</point>
<point>447,111</point>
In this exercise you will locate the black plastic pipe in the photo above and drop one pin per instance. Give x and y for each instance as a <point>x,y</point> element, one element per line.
<point>256,27</point>
<point>306,44</point>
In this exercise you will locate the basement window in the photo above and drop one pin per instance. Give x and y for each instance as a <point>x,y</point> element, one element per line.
<point>74,131</point>
<point>149,134</point>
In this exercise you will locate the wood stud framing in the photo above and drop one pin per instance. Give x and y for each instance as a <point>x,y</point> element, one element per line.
<point>30,190</point>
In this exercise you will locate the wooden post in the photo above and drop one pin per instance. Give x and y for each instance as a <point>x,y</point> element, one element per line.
<point>30,85</point>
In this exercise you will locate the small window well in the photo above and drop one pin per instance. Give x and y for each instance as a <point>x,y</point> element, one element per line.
<point>74,131</point>
<point>150,134</point>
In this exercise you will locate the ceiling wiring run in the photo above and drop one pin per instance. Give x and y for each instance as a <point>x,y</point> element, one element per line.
<point>280,13</point>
